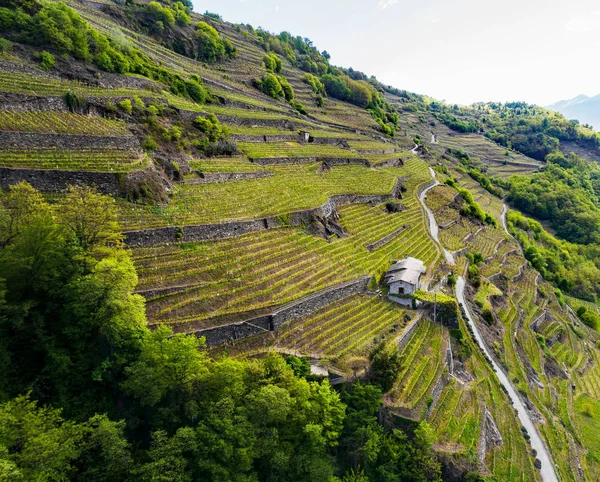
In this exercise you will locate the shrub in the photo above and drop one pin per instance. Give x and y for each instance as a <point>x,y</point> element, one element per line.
<point>196,91</point>
<point>270,85</point>
<point>488,316</point>
<point>149,143</point>
<point>46,60</point>
<point>316,85</point>
<point>211,47</point>
<point>273,63</point>
<point>300,108</point>
<point>210,127</point>
<point>138,104</point>
<point>5,45</point>
<point>221,148</point>
<point>126,106</point>
<point>74,101</point>
<point>385,366</point>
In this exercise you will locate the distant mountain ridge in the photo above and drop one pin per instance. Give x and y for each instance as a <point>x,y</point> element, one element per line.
<point>583,108</point>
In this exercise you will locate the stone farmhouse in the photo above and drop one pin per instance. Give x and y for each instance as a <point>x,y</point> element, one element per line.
<point>403,278</point>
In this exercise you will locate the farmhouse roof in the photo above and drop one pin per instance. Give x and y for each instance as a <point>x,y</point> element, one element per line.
<point>408,270</point>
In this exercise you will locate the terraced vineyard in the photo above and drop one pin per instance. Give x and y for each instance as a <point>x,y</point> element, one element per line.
<point>89,160</point>
<point>291,188</point>
<point>61,123</point>
<point>549,355</point>
<point>347,328</point>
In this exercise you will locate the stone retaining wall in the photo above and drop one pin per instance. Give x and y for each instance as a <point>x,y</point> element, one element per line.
<point>272,322</point>
<point>405,337</point>
<point>331,161</point>
<point>32,103</point>
<point>265,138</point>
<point>211,232</point>
<point>377,244</point>
<point>54,181</point>
<point>217,177</point>
<point>30,140</point>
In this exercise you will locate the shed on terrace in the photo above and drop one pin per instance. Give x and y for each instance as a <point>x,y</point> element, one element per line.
<point>403,278</point>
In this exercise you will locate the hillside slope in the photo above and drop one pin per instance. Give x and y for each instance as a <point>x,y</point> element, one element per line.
<point>263,198</point>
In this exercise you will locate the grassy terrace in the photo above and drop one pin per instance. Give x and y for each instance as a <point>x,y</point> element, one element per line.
<point>372,145</point>
<point>88,160</point>
<point>225,164</point>
<point>259,270</point>
<point>349,327</point>
<point>422,363</point>
<point>294,149</point>
<point>274,131</point>
<point>61,123</point>
<point>457,420</point>
<point>291,188</point>
<point>21,84</point>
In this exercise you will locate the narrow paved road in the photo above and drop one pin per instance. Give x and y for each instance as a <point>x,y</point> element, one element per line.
<point>505,226</point>
<point>547,470</point>
<point>433,227</point>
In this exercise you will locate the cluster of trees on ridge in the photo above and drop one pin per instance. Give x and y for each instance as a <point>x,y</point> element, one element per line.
<point>343,84</point>
<point>88,392</point>
<point>60,28</point>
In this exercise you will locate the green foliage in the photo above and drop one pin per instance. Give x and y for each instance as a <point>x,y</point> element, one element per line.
<point>60,28</point>
<point>461,347</point>
<point>301,366</point>
<point>166,366</point>
<point>196,90</point>
<point>161,14</point>
<point>571,267</point>
<point>273,63</point>
<point>46,60</point>
<point>74,101</point>
<point>211,47</point>
<point>564,193</point>
<point>589,317</point>
<point>210,127</point>
<point>471,207</point>
<point>385,365</point>
<point>382,455</point>
<point>126,106</point>
<point>314,82</point>
<point>5,45</point>
<point>275,86</point>
<point>300,108</point>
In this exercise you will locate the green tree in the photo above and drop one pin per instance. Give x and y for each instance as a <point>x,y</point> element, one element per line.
<point>167,365</point>
<point>385,365</point>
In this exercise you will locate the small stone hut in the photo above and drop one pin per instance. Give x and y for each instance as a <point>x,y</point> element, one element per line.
<point>403,279</point>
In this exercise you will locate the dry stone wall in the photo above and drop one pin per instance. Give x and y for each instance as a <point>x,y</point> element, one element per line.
<point>272,322</point>
<point>31,140</point>
<point>210,232</point>
<point>32,103</point>
<point>218,177</point>
<point>54,181</point>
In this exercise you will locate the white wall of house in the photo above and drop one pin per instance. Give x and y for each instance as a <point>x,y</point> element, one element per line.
<point>402,287</point>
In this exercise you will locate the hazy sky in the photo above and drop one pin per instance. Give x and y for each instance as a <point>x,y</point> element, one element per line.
<point>460,51</point>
